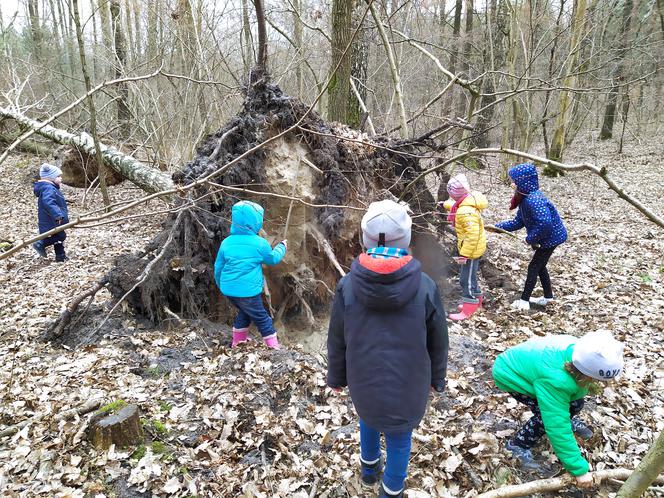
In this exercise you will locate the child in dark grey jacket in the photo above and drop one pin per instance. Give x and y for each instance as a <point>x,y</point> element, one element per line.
<point>387,342</point>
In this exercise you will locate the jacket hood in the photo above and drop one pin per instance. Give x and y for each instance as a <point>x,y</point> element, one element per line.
<point>525,177</point>
<point>386,290</point>
<point>475,199</point>
<point>42,185</point>
<point>246,218</point>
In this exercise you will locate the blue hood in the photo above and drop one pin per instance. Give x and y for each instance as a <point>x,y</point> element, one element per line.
<point>246,218</point>
<point>41,185</point>
<point>525,177</point>
<point>386,291</point>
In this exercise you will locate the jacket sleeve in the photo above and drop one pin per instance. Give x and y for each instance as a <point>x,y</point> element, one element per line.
<point>554,406</point>
<point>470,232</point>
<point>437,340</point>
<point>539,212</point>
<point>336,342</point>
<point>512,225</point>
<point>51,204</point>
<point>272,256</point>
<point>219,265</point>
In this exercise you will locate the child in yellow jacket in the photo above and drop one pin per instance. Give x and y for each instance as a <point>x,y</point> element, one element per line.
<point>465,216</point>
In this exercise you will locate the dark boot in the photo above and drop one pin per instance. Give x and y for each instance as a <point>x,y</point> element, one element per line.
<point>60,256</point>
<point>523,455</point>
<point>581,429</point>
<point>39,248</point>
<point>385,494</point>
<point>371,472</point>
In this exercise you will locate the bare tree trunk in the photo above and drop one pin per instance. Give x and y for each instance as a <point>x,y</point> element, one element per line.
<point>464,66</point>
<point>610,110</point>
<point>297,37</point>
<point>494,58</point>
<point>454,53</point>
<point>646,472</point>
<point>248,52</point>
<point>131,42</point>
<point>261,56</point>
<point>95,40</point>
<point>35,28</point>
<point>339,88</point>
<point>153,10</point>
<point>123,112</point>
<point>359,69</point>
<point>91,106</point>
<point>547,97</point>
<point>566,96</point>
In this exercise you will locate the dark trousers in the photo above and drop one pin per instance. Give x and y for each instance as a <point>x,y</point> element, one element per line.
<point>57,241</point>
<point>533,430</point>
<point>537,268</point>
<point>251,309</point>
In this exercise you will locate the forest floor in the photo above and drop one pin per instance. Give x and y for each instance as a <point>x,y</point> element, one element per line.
<point>252,422</point>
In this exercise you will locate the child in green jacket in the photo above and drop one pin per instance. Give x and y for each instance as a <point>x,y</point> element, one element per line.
<point>551,375</point>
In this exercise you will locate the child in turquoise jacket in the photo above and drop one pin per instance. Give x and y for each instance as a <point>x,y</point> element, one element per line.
<point>551,375</point>
<point>239,274</point>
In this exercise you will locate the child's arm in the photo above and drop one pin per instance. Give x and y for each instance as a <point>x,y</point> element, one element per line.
<point>336,342</point>
<point>219,265</point>
<point>437,340</point>
<point>512,225</point>
<point>542,222</point>
<point>273,256</point>
<point>554,407</point>
<point>51,204</point>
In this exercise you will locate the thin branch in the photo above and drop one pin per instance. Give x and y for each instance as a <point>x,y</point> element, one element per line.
<point>600,171</point>
<point>363,106</point>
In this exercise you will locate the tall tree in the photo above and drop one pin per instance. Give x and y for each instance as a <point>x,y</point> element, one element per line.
<point>359,68</point>
<point>618,72</point>
<point>35,27</point>
<point>91,105</point>
<point>124,114</point>
<point>339,87</point>
<point>577,29</point>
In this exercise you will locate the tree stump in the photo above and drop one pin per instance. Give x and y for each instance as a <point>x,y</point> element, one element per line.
<point>122,429</point>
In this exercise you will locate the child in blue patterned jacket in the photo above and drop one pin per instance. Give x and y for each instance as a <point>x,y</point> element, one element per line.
<point>544,231</point>
<point>239,274</point>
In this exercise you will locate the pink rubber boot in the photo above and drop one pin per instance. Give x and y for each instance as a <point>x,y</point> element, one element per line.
<point>271,341</point>
<point>240,336</point>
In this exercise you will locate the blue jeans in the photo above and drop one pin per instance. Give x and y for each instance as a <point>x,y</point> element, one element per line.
<point>470,289</point>
<point>398,454</point>
<point>251,309</point>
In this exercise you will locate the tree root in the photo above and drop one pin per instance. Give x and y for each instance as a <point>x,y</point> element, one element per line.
<point>58,327</point>
<point>556,484</point>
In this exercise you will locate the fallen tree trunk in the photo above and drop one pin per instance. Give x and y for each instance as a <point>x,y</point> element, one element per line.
<point>143,176</point>
<point>555,484</point>
<point>86,407</point>
<point>28,146</point>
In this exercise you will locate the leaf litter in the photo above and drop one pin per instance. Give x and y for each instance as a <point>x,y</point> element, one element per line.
<point>257,423</point>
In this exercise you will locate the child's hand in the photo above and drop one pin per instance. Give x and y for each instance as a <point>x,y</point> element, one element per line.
<point>584,481</point>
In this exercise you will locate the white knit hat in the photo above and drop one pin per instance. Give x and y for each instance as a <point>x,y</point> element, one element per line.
<point>49,171</point>
<point>598,355</point>
<point>389,219</point>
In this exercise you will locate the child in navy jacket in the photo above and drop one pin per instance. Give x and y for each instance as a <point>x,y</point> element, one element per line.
<point>544,231</point>
<point>51,211</point>
<point>387,341</point>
